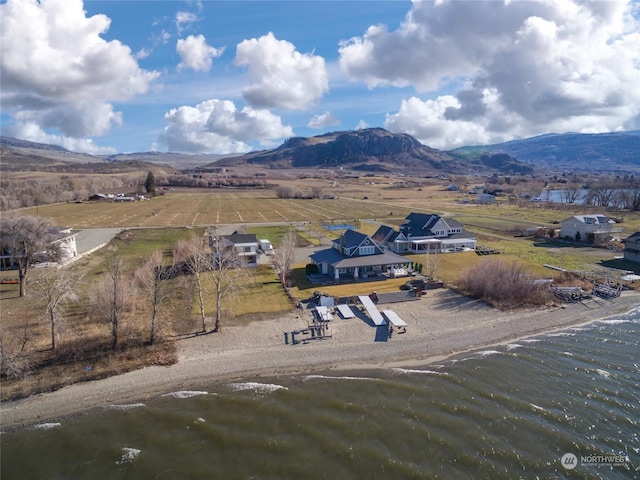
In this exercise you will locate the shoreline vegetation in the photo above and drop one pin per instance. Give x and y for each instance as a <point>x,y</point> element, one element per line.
<point>442,325</point>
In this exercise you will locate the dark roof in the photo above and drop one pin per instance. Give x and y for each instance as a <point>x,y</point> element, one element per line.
<point>634,236</point>
<point>395,236</point>
<point>386,258</point>
<point>453,223</point>
<point>352,238</point>
<point>329,255</point>
<point>381,233</point>
<point>419,224</point>
<point>338,260</point>
<point>236,237</point>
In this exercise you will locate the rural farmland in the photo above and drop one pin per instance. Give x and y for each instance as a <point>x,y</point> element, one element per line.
<point>224,207</point>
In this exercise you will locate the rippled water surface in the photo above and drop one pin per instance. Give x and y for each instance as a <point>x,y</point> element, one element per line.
<point>509,412</point>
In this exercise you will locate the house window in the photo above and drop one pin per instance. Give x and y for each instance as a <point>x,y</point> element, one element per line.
<point>367,250</point>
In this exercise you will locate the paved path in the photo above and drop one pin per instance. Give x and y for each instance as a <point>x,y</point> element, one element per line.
<point>92,239</point>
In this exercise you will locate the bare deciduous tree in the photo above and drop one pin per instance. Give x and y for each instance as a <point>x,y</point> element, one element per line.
<point>227,274</point>
<point>56,289</point>
<point>601,194</point>
<point>25,238</point>
<point>284,191</point>
<point>431,265</point>
<point>571,194</point>
<point>152,278</point>
<point>284,256</point>
<point>190,255</point>
<point>111,295</point>
<point>316,191</point>
<point>13,363</point>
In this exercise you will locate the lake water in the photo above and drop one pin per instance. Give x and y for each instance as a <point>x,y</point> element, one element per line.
<point>509,412</point>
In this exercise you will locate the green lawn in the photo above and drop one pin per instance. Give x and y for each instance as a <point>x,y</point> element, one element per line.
<point>261,293</point>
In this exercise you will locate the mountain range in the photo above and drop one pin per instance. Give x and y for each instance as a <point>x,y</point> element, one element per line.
<point>371,149</point>
<point>612,152</point>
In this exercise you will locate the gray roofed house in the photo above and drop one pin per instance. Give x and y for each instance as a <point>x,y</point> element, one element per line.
<point>592,228</point>
<point>355,256</point>
<point>426,233</point>
<point>245,246</point>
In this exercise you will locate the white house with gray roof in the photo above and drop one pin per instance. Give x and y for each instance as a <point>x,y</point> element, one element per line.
<point>356,256</point>
<point>244,246</point>
<point>426,233</point>
<point>595,228</point>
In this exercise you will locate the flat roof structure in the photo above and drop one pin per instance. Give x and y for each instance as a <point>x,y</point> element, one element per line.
<point>394,318</point>
<point>345,311</point>
<point>372,310</point>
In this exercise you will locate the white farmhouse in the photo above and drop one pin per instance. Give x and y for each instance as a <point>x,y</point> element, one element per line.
<point>596,228</point>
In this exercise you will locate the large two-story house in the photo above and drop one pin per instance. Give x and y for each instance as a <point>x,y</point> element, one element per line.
<point>594,228</point>
<point>355,256</point>
<point>426,233</point>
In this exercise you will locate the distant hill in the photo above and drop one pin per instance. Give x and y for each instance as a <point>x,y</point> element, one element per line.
<point>176,160</point>
<point>16,154</point>
<point>618,151</point>
<point>22,155</point>
<point>371,149</point>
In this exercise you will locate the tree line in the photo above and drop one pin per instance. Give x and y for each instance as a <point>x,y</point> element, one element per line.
<point>16,191</point>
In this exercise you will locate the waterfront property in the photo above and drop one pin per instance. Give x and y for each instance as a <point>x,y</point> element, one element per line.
<point>356,256</point>
<point>426,233</point>
<point>596,228</point>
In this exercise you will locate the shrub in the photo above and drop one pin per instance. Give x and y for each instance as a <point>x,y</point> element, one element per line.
<point>503,285</point>
<point>311,269</point>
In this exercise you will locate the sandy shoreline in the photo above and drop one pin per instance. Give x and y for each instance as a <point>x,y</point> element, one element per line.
<point>441,324</point>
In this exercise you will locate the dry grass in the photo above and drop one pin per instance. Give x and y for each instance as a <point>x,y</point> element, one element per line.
<point>503,285</point>
<point>46,371</point>
<point>260,293</point>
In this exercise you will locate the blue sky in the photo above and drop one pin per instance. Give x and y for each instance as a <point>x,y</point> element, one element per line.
<point>234,76</point>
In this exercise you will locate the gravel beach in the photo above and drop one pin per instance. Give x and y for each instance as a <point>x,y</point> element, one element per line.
<point>440,324</point>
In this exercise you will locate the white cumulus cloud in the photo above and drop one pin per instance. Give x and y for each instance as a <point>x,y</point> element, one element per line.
<point>217,126</point>
<point>323,120</point>
<point>426,120</point>
<point>58,73</point>
<point>185,19</point>
<point>279,75</point>
<point>196,54</point>
<point>516,68</point>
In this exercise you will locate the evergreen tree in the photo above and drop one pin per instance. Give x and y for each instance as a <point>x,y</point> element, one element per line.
<point>150,184</point>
